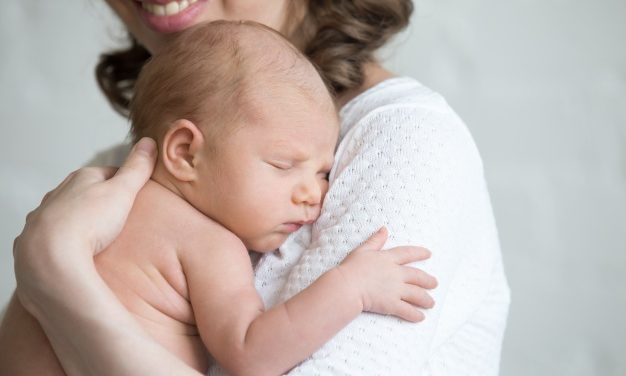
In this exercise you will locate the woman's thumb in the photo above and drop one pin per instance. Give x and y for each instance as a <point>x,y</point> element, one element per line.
<point>138,167</point>
<point>377,240</point>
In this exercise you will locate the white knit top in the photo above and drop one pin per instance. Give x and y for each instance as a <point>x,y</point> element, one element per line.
<point>406,161</point>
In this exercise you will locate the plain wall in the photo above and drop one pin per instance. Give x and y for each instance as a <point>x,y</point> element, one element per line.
<point>541,85</point>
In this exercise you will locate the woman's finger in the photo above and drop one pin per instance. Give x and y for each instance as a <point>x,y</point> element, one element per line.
<point>63,183</point>
<point>108,172</point>
<point>45,198</point>
<point>138,167</point>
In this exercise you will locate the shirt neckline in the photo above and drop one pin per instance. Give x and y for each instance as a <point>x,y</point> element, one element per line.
<point>375,88</point>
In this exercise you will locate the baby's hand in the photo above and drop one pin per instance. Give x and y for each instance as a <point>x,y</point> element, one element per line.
<point>384,283</point>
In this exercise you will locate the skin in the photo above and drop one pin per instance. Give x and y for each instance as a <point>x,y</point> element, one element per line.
<point>273,13</point>
<point>86,212</point>
<point>68,223</point>
<point>272,172</point>
<point>294,174</point>
<point>73,320</point>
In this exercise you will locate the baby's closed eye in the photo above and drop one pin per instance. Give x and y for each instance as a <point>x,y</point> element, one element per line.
<point>281,165</point>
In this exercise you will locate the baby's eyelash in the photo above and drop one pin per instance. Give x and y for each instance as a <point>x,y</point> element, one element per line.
<point>280,166</point>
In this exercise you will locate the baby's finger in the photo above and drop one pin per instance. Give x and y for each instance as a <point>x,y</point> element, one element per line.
<point>408,312</point>
<point>419,277</point>
<point>407,254</point>
<point>418,297</point>
<point>376,241</point>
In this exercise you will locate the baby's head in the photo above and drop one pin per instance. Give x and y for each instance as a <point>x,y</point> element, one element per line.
<point>245,126</point>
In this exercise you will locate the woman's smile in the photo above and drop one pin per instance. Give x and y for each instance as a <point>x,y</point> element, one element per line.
<point>169,16</point>
<point>151,22</point>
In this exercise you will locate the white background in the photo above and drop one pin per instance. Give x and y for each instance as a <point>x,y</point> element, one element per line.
<point>541,85</point>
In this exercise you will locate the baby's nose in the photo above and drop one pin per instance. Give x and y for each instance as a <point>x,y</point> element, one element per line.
<point>309,193</point>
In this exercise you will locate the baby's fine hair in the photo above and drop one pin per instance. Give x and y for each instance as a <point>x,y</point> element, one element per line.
<point>205,72</point>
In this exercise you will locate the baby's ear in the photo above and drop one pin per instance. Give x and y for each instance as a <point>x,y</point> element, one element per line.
<point>182,145</point>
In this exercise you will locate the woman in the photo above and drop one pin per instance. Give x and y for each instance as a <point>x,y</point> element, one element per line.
<point>405,160</point>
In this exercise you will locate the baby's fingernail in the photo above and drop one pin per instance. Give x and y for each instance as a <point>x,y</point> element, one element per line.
<point>434,283</point>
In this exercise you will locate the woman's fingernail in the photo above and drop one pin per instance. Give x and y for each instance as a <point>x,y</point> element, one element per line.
<point>146,145</point>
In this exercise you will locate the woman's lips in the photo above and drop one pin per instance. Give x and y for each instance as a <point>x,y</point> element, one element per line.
<point>169,16</point>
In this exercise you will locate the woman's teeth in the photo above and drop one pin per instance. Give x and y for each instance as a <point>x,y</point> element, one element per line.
<point>169,9</point>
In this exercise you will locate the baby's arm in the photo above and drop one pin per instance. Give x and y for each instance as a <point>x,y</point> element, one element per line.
<point>246,339</point>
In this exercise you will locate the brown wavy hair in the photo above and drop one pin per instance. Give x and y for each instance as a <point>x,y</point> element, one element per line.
<point>338,36</point>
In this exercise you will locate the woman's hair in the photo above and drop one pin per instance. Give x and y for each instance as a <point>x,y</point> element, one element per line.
<point>337,36</point>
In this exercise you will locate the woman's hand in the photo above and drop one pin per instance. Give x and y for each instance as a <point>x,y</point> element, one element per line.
<point>76,220</point>
<point>57,282</point>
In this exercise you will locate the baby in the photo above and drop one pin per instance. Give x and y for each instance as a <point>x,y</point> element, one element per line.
<point>246,131</point>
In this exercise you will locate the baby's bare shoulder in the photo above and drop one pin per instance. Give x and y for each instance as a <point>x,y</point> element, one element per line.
<point>166,227</point>
<point>209,238</point>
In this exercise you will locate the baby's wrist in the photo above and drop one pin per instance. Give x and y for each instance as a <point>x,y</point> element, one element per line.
<point>349,281</point>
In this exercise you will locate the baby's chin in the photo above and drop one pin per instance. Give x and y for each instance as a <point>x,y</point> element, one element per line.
<point>266,244</point>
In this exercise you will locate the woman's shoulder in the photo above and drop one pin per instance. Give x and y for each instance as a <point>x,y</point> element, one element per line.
<point>397,96</point>
<point>400,114</point>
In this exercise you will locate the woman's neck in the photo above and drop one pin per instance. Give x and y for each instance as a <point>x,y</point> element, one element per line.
<point>373,74</point>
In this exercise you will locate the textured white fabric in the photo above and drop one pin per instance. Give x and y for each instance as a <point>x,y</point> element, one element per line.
<point>406,161</point>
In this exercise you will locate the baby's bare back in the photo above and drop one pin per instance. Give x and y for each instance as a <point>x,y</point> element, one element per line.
<point>143,269</point>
